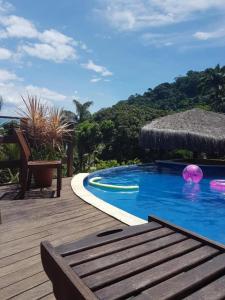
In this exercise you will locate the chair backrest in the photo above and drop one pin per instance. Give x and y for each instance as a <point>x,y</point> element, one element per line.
<point>26,152</point>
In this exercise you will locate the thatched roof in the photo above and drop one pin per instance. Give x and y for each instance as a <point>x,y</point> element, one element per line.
<point>196,129</point>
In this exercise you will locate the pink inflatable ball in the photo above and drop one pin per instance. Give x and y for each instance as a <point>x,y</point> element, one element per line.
<point>192,173</point>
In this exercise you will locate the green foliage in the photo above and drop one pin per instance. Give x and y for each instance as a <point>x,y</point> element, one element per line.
<point>9,152</point>
<point>196,89</point>
<point>105,164</point>
<point>120,127</point>
<point>88,137</point>
<point>47,153</point>
<point>213,87</point>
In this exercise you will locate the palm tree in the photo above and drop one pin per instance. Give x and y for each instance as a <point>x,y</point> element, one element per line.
<point>82,110</point>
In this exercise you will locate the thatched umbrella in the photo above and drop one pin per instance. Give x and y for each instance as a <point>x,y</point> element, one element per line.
<point>196,129</point>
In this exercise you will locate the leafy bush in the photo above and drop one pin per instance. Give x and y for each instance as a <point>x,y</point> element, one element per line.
<point>105,164</point>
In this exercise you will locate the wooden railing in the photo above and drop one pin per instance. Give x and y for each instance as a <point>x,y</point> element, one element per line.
<point>10,139</point>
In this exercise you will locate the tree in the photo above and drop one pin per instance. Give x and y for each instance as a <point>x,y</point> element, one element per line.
<point>82,110</point>
<point>69,117</point>
<point>88,137</point>
<point>213,86</point>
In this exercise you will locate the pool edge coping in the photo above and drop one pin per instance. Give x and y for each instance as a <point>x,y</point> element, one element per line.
<point>115,212</point>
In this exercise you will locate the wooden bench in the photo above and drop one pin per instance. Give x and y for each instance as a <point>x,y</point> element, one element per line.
<point>156,260</point>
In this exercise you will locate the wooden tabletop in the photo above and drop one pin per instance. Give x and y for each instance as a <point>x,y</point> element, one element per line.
<point>156,260</point>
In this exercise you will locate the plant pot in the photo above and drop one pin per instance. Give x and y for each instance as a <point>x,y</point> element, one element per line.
<point>43,176</point>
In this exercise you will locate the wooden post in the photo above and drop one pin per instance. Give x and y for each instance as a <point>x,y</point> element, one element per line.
<point>69,159</point>
<point>69,154</point>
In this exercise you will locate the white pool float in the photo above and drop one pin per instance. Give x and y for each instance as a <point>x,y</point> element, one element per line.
<point>94,182</point>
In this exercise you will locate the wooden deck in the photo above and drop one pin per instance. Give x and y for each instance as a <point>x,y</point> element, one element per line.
<point>25,223</point>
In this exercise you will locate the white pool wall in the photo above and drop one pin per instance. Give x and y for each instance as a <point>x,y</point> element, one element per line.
<point>77,184</point>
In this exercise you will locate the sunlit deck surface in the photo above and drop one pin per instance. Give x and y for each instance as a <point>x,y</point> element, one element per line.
<point>25,223</point>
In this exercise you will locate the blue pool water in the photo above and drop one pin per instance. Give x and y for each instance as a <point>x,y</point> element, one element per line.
<point>164,193</point>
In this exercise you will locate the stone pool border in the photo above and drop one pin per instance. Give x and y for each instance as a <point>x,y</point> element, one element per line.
<point>117,213</point>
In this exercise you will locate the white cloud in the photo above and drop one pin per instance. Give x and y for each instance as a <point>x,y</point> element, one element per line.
<point>5,7</point>
<point>159,40</point>
<point>96,79</point>
<point>5,54</point>
<point>57,53</point>
<point>6,76</point>
<point>127,15</point>
<point>18,27</point>
<point>12,91</point>
<point>45,93</point>
<point>103,71</point>
<point>49,44</point>
<point>12,87</point>
<point>55,37</point>
<point>201,35</point>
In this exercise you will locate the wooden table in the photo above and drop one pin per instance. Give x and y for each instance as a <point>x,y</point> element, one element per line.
<point>156,260</point>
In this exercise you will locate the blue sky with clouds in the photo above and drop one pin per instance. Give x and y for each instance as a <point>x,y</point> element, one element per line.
<point>103,50</point>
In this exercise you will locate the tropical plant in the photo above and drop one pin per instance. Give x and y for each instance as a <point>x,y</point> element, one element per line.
<point>44,128</point>
<point>82,110</point>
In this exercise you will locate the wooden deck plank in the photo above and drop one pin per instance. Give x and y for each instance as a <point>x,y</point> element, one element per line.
<point>35,213</point>
<point>19,246</point>
<point>213,291</point>
<point>23,285</point>
<point>26,268</point>
<point>48,297</point>
<point>9,233</point>
<point>123,256</point>
<point>186,282</point>
<point>26,223</point>
<point>138,265</point>
<point>21,274</point>
<point>120,245</point>
<point>155,275</point>
<point>78,233</point>
<point>36,292</point>
<point>55,239</point>
<point>98,240</point>
<point>65,219</point>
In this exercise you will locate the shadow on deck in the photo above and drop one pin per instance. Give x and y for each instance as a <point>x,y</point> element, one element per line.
<point>25,223</point>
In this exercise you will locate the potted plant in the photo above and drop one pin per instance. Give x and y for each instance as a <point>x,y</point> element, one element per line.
<point>46,133</point>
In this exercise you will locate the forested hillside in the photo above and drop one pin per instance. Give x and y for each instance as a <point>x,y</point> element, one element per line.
<point>195,89</point>
<point>112,133</point>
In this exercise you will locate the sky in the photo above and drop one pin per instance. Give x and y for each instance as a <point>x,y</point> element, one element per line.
<point>103,50</point>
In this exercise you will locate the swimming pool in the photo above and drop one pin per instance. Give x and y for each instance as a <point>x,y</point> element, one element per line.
<point>163,192</point>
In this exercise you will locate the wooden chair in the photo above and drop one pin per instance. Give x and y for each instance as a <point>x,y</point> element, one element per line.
<point>28,165</point>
